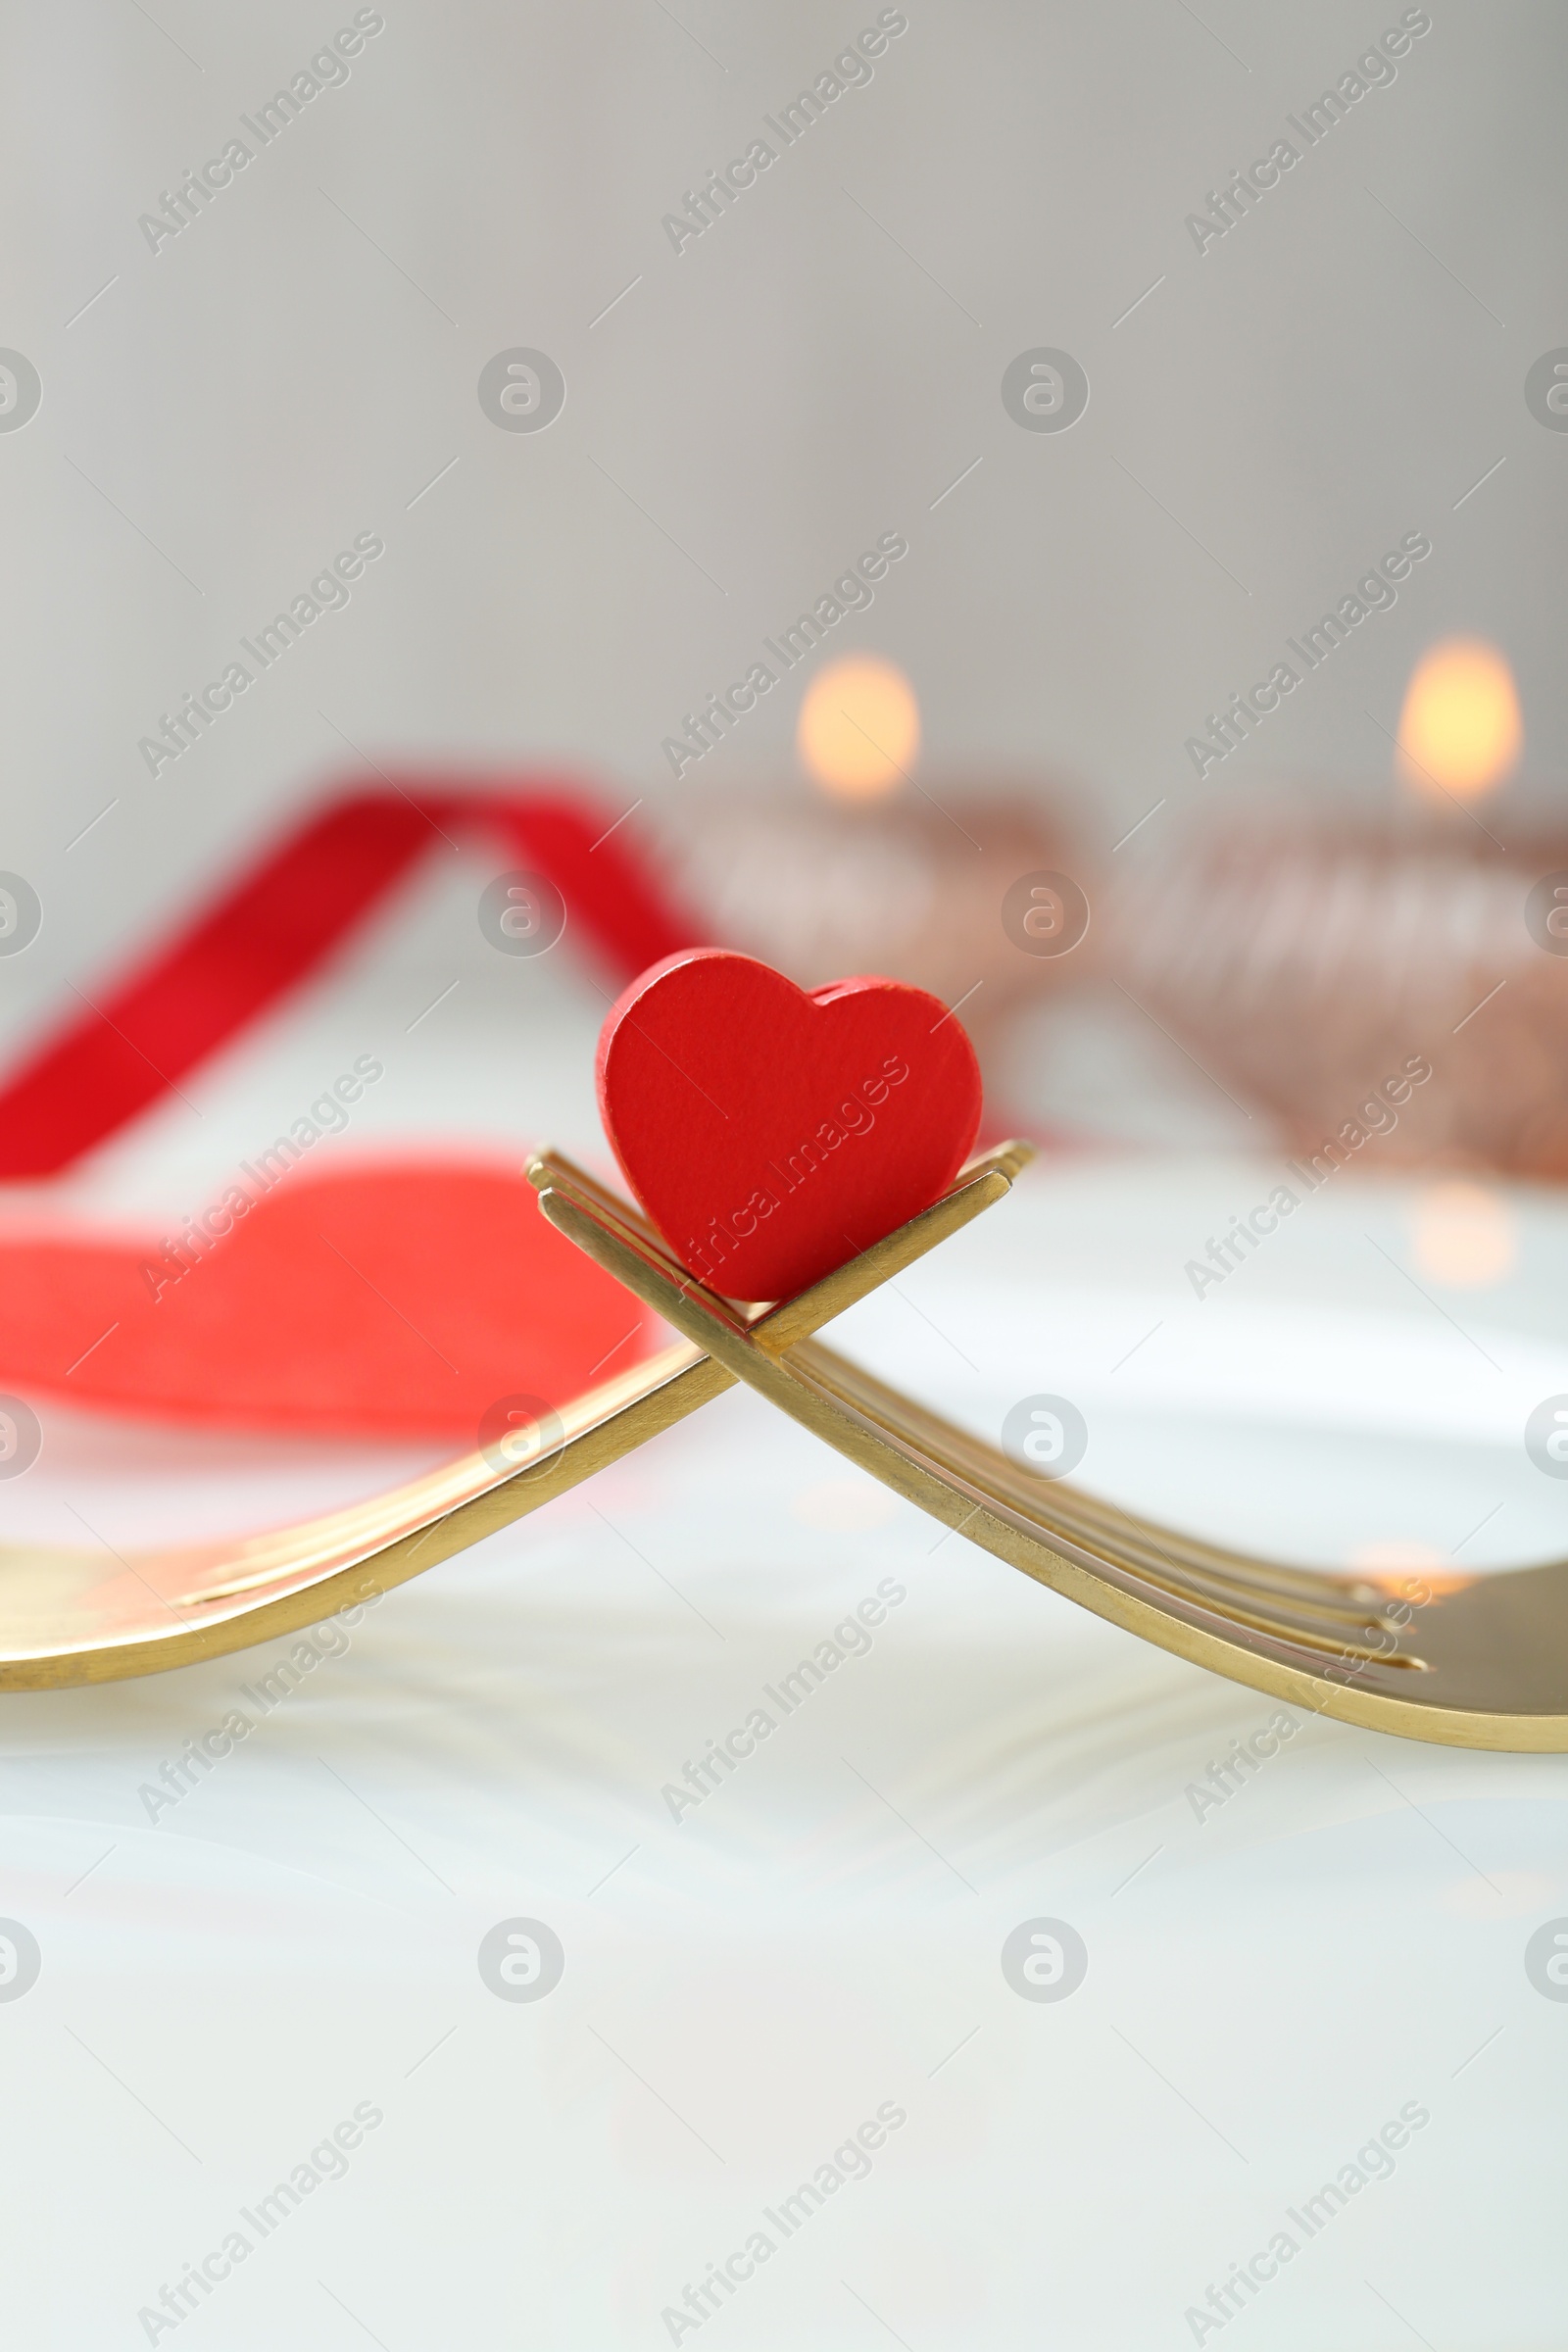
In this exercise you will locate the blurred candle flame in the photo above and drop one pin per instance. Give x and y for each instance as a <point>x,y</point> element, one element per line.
<point>858,728</point>
<point>1463,1235</point>
<point>1460,730</point>
<point>1406,1569</point>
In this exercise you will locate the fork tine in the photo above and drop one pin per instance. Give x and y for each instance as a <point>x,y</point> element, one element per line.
<point>1085,1517</point>
<point>1146,1555</point>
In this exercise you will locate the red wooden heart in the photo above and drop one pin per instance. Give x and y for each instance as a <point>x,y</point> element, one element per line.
<point>771,1135</point>
<point>400,1300</point>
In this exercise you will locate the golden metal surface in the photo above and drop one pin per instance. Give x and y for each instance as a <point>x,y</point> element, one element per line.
<point>1480,1663</point>
<point>69,1616</point>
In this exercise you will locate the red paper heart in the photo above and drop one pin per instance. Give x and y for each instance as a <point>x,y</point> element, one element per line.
<point>771,1135</point>
<point>394,1301</point>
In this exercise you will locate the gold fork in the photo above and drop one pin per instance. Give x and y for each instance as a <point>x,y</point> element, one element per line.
<point>1480,1663</point>
<point>1483,1662</point>
<point>74,1615</point>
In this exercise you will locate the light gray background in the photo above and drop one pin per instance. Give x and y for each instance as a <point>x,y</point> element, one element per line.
<point>758,407</point>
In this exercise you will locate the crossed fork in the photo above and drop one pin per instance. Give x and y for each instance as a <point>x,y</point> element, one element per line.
<point>1483,1662</point>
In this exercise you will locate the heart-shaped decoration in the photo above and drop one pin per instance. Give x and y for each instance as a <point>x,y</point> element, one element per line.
<point>771,1135</point>
<point>394,1301</point>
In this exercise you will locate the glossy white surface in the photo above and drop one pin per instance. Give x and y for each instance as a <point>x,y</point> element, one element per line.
<point>1270,1980</point>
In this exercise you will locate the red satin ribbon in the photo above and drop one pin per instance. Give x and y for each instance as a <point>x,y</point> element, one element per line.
<point>275,926</point>
<point>402,1299</point>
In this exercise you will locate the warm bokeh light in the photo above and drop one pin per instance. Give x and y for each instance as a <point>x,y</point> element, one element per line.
<point>1405,1569</point>
<point>858,728</point>
<point>1464,1235</point>
<point>1460,730</point>
<point>1390,1556</point>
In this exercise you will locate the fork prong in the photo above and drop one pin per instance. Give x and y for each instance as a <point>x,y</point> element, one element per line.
<point>1086,1517</point>
<point>1140,1553</point>
<point>977,1188</point>
<point>981,1182</point>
